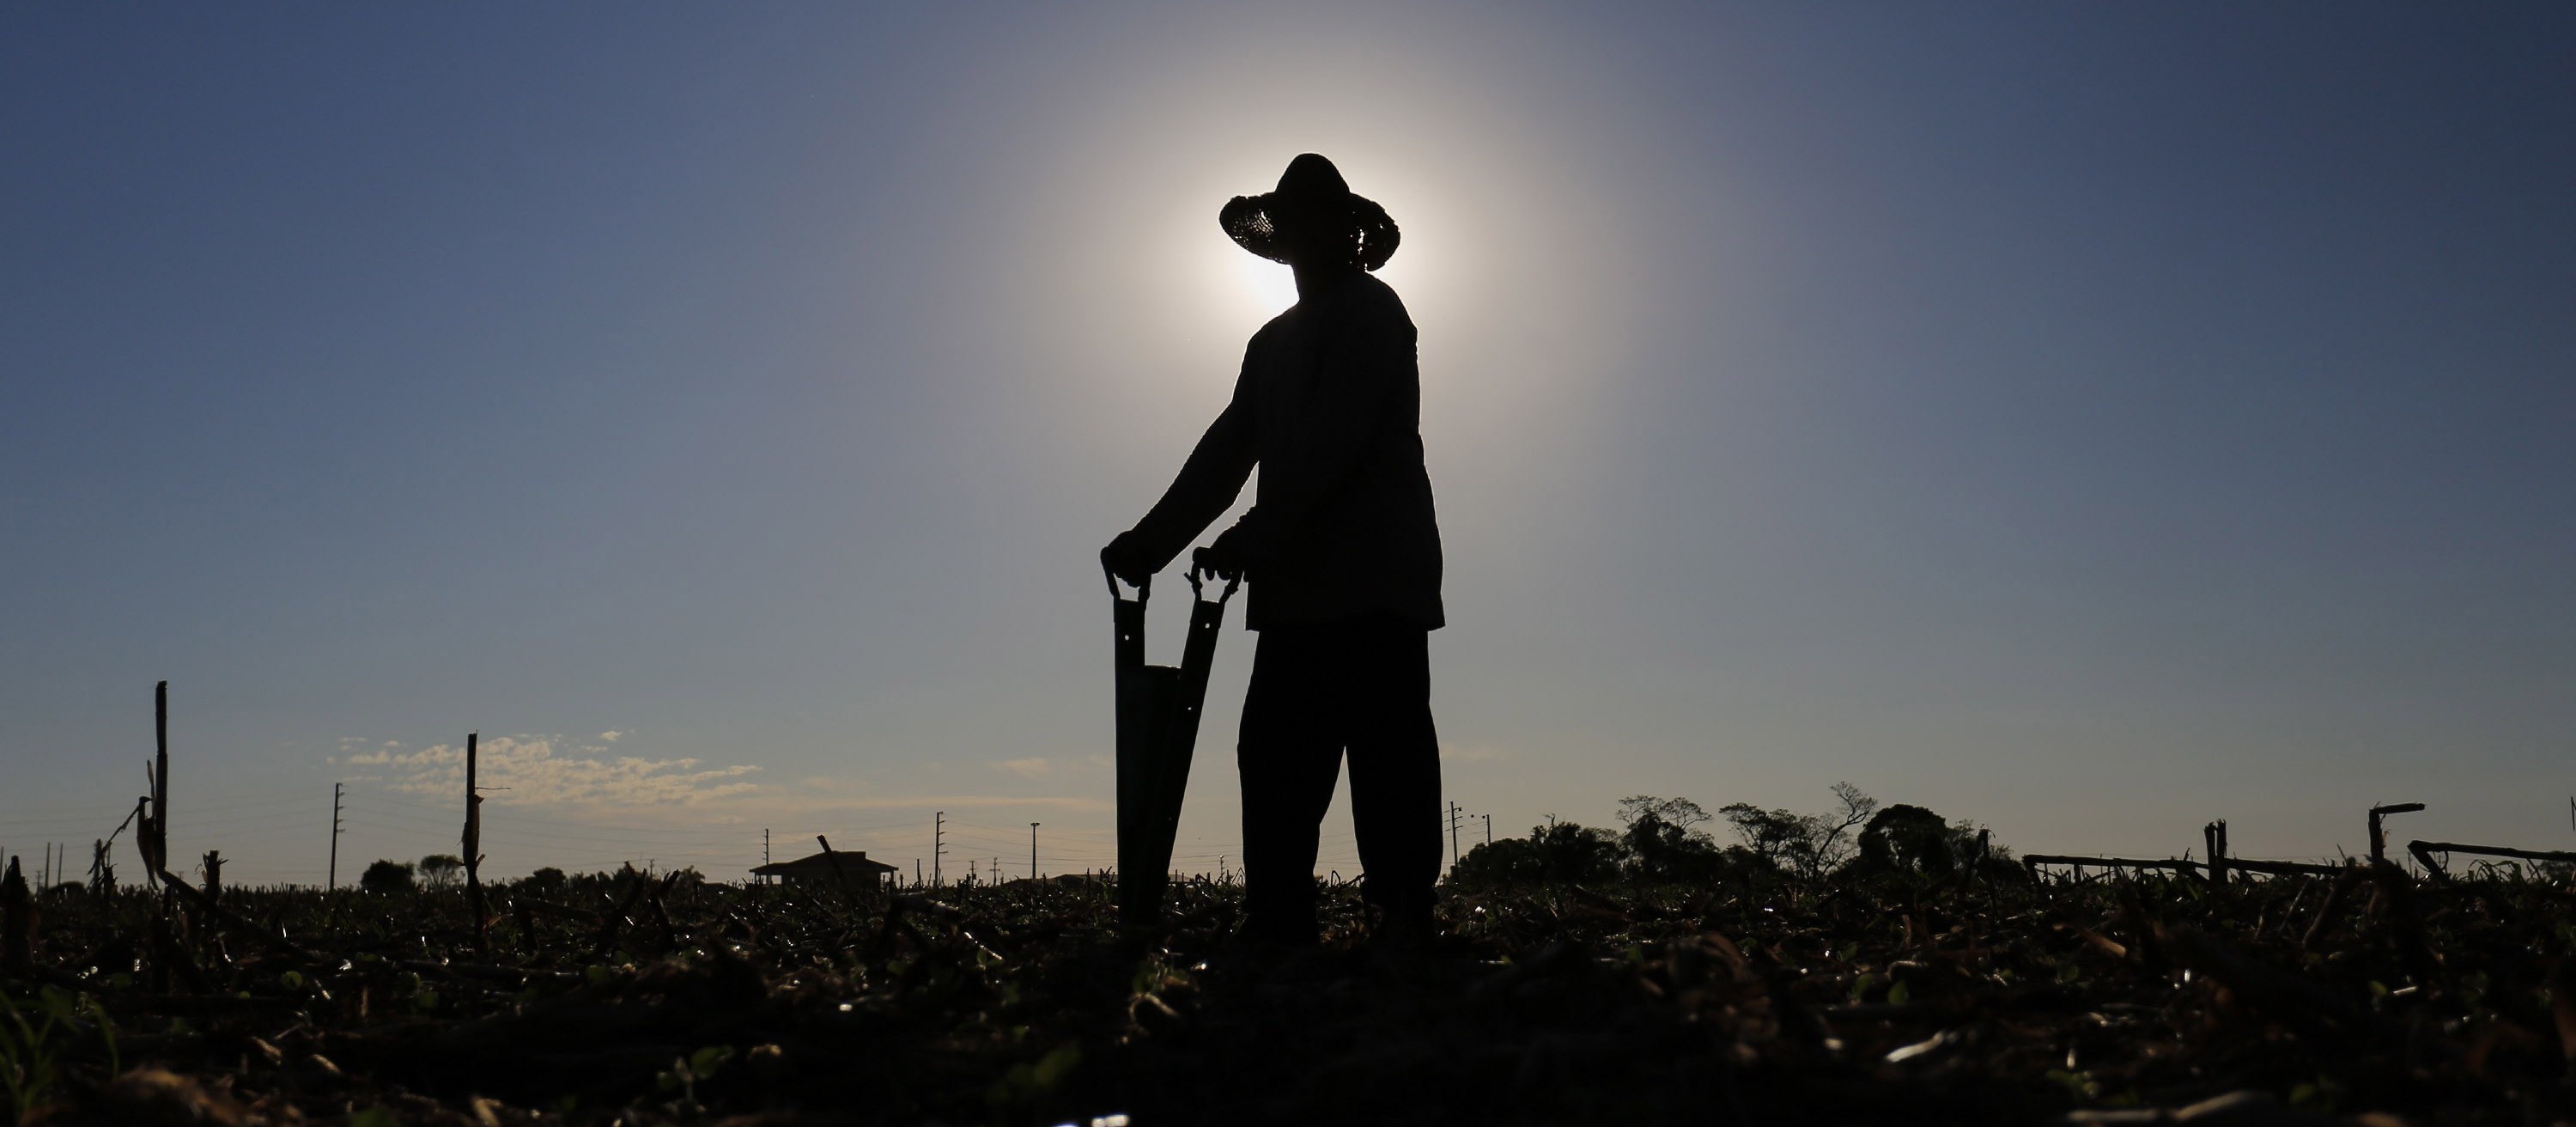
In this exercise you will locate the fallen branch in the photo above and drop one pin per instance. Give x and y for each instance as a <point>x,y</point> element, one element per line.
<point>2419,848</point>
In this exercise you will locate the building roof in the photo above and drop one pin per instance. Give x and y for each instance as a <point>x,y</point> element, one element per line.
<point>854,863</point>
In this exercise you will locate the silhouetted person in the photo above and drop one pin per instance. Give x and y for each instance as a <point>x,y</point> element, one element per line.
<point>1341,552</point>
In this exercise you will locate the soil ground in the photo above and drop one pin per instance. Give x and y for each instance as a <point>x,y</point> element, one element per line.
<point>1900,998</point>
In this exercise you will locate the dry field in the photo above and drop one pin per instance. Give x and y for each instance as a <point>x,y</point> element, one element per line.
<point>1754,999</point>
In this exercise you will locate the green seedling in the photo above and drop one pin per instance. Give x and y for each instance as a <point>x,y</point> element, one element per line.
<point>33,1038</point>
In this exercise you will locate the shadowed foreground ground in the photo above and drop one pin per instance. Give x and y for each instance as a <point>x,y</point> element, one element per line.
<point>1898,998</point>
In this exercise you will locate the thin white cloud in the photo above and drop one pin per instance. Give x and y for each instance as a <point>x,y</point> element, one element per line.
<point>533,771</point>
<point>821,797</point>
<point>1029,768</point>
<point>610,736</point>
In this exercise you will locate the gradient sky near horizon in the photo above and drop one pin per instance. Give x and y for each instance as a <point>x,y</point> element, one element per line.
<point>2088,420</point>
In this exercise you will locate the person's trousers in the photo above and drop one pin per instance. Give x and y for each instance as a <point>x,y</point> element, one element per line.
<point>1361,685</point>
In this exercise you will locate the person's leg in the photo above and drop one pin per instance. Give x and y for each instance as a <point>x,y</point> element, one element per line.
<point>1395,765</point>
<point>1289,756</point>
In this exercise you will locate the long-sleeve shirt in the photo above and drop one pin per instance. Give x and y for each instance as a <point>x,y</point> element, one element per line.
<point>1329,405</point>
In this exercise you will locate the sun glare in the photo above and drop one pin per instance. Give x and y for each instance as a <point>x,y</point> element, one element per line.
<point>1268,287</point>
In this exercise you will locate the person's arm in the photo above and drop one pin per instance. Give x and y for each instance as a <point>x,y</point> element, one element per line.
<point>1355,390</point>
<point>1208,483</point>
<point>1207,486</point>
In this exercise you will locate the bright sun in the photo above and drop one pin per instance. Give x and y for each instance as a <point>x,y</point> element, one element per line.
<point>1268,286</point>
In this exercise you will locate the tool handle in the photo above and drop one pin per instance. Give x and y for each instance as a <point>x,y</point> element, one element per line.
<point>1142,589</point>
<point>1198,566</point>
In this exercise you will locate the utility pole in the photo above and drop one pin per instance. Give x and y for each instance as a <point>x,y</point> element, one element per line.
<point>1033,851</point>
<point>1489,829</point>
<point>474,851</point>
<point>1453,833</point>
<point>938,835</point>
<point>333,880</point>
<point>764,853</point>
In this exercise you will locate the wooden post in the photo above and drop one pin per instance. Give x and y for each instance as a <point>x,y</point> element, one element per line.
<point>474,853</point>
<point>214,873</point>
<point>2379,833</point>
<point>161,766</point>
<point>152,829</point>
<point>17,924</point>
<point>142,819</point>
<point>2215,834</point>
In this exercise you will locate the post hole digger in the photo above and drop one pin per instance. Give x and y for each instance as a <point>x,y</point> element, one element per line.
<point>1158,726</point>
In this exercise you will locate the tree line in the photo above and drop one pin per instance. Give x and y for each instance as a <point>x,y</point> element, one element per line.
<point>1667,841</point>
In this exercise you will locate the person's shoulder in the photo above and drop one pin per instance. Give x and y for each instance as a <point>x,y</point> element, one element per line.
<point>1371,300</point>
<point>1273,327</point>
<point>1371,292</point>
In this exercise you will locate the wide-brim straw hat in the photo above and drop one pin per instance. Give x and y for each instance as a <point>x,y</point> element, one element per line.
<point>1310,187</point>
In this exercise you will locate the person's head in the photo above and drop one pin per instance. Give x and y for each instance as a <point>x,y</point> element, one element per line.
<point>1312,221</point>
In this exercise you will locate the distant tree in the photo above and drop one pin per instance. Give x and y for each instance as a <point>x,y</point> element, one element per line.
<point>1806,844</point>
<point>1664,842</point>
<point>1855,808</point>
<point>1562,853</point>
<point>548,879</point>
<point>1909,838</point>
<point>442,869</point>
<point>387,878</point>
<point>1680,812</point>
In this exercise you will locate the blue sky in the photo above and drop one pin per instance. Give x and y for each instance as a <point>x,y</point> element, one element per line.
<point>2088,421</point>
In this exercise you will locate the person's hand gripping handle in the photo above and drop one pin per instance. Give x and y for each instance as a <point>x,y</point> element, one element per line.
<point>1223,559</point>
<point>1125,559</point>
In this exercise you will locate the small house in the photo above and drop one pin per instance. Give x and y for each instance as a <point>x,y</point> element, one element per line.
<point>830,870</point>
